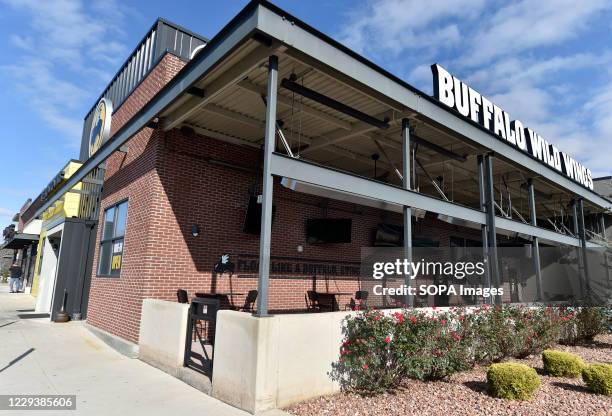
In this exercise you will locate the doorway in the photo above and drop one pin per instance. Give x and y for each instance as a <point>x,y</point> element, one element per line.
<point>48,270</point>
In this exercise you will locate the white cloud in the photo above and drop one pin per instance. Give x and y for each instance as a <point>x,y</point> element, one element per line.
<point>585,131</point>
<point>505,73</point>
<point>600,110</point>
<point>525,102</point>
<point>64,29</point>
<point>534,58</point>
<point>529,24</point>
<point>420,76</point>
<point>70,49</point>
<point>23,42</point>
<point>57,101</point>
<point>391,26</point>
<point>562,112</point>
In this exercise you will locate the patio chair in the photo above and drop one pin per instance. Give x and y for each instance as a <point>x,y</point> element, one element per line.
<point>226,302</point>
<point>249,301</point>
<point>361,296</point>
<point>182,296</point>
<point>312,301</point>
<point>361,299</point>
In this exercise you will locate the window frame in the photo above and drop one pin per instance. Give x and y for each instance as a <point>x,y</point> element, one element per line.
<point>113,239</point>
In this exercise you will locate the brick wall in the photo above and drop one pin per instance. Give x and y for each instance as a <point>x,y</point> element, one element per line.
<point>114,304</point>
<point>171,184</point>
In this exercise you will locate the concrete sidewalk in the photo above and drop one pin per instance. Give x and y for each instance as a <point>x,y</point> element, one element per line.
<point>40,357</point>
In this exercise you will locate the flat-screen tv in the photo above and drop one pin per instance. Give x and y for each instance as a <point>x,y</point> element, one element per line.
<point>328,230</point>
<point>252,220</point>
<point>389,235</point>
<point>392,235</point>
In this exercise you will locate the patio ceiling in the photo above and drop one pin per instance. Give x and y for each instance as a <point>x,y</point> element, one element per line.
<point>229,104</point>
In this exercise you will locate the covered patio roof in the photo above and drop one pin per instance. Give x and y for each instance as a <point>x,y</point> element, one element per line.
<point>337,110</point>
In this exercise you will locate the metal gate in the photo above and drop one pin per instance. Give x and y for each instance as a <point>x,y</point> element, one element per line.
<point>201,326</point>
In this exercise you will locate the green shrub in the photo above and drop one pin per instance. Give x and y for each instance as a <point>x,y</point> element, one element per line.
<point>607,313</point>
<point>562,364</point>
<point>598,378</point>
<point>513,331</point>
<point>492,334</point>
<point>434,347</point>
<point>512,381</point>
<point>380,350</point>
<point>534,330</point>
<point>369,364</point>
<point>591,322</point>
<point>583,324</point>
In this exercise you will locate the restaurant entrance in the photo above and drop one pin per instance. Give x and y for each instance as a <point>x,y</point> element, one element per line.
<point>49,256</point>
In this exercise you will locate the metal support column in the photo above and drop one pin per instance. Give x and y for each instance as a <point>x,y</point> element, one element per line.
<point>579,250</point>
<point>582,237</point>
<point>606,264</point>
<point>268,184</point>
<point>483,207</point>
<point>575,217</point>
<point>406,174</point>
<point>535,242</point>
<point>492,240</point>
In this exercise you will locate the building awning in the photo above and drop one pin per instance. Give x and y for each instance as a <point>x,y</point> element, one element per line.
<point>19,241</point>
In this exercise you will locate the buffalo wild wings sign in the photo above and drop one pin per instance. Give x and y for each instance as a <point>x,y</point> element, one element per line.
<point>100,125</point>
<point>469,103</point>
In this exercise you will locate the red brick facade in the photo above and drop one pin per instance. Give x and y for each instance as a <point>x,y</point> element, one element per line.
<point>171,184</point>
<point>114,304</point>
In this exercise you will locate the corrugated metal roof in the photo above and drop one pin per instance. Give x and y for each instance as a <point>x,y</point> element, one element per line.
<point>238,115</point>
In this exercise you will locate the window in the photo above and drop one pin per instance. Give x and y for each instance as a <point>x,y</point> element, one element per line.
<point>111,245</point>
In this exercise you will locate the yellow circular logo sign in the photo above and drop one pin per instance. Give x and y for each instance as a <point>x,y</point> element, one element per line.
<point>100,125</point>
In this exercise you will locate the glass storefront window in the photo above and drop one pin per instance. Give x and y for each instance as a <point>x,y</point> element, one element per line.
<point>109,220</point>
<point>104,264</point>
<point>121,217</point>
<point>111,246</point>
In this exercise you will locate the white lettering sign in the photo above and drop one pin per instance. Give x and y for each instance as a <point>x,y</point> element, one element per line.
<point>455,94</point>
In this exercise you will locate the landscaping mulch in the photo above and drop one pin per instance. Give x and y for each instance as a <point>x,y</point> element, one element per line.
<point>466,394</point>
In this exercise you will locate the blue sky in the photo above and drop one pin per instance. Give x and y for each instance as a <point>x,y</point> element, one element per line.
<point>548,63</point>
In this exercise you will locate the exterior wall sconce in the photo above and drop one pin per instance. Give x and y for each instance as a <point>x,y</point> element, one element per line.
<point>195,230</point>
<point>300,248</point>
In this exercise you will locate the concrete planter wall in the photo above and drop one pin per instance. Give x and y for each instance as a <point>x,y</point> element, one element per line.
<point>266,363</point>
<point>163,329</point>
<point>260,363</point>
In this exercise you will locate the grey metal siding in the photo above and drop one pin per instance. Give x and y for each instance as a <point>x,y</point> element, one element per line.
<point>74,267</point>
<point>163,37</point>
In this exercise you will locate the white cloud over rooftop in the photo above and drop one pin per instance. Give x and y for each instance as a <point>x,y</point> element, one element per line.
<point>542,61</point>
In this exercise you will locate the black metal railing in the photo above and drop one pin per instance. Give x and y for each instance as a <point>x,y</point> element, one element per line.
<point>201,325</point>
